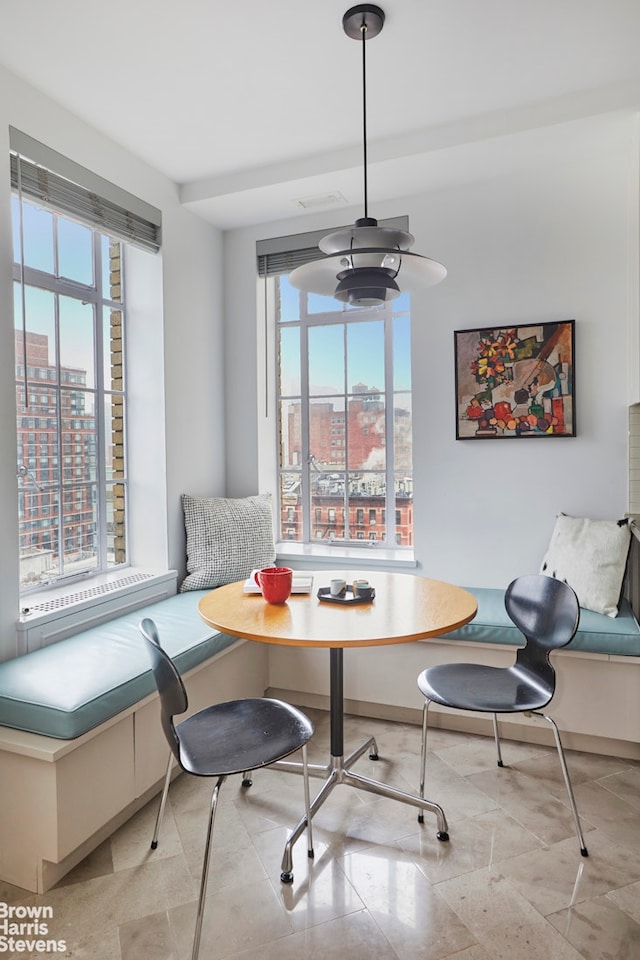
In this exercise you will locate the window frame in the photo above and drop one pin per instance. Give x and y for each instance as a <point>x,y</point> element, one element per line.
<point>386,550</point>
<point>62,492</point>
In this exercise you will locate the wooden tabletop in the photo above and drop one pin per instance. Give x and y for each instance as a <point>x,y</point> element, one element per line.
<point>405,608</point>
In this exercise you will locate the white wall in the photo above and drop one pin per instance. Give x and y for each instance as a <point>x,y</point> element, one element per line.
<point>185,443</point>
<point>550,238</point>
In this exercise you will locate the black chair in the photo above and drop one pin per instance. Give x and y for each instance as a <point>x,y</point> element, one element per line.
<point>547,613</point>
<point>227,738</point>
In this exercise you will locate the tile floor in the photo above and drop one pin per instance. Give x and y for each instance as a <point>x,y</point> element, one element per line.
<point>509,885</point>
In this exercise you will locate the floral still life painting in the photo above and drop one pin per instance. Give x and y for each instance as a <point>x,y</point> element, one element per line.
<point>515,381</point>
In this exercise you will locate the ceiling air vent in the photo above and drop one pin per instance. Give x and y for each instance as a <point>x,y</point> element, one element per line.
<point>323,200</point>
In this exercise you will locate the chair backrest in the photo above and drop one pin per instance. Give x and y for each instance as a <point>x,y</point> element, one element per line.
<point>547,613</point>
<point>173,696</point>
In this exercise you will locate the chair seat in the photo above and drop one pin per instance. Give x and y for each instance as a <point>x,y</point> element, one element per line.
<point>474,686</point>
<point>242,735</point>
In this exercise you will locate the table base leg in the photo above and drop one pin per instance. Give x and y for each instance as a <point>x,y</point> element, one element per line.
<point>321,770</point>
<point>338,772</point>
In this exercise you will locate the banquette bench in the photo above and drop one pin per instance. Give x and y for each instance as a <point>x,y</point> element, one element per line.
<point>80,742</point>
<point>81,747</point>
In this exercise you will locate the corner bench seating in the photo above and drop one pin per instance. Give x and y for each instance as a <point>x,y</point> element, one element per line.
<point>80,742</point>
<point>81,747</point>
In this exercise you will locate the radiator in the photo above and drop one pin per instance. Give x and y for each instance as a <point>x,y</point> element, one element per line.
<point>48,617</point>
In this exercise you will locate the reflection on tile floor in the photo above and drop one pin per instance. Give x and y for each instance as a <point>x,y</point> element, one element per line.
<point>509,885</point>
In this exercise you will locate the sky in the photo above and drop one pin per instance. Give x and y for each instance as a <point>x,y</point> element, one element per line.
<point>334,364</point>
<point>74,264</point>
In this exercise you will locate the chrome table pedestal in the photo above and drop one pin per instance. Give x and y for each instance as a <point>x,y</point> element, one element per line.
<point>338,770</point>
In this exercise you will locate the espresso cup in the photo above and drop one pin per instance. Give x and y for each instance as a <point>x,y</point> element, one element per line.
<point>275,583</point>
<point>337,587</point>
<point>364,591</point>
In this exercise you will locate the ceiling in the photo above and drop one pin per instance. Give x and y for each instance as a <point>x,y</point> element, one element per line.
<point>254,107</point>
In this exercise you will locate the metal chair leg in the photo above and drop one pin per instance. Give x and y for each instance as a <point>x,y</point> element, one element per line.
<point>423,752</point>
<point>205,869</point>
<point>497,739</point>
<point>307,801</point>
<point>567,782</point>
<point>286,874</point>
<point>163,800</point>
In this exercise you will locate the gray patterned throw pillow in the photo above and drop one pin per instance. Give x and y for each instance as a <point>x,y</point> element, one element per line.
<point>226,539</point>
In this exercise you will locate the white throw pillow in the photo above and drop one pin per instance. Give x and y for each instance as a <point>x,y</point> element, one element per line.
<point>591,556</point>
<point>226,539</point>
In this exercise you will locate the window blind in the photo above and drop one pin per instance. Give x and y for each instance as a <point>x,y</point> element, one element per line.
<point>52,180</point>
<point>272,264</point>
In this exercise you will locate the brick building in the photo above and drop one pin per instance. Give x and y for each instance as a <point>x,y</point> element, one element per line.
<point>348,449</point>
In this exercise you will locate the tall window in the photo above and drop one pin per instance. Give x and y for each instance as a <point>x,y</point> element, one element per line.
<point>70,363</point>
<point>344,417</point>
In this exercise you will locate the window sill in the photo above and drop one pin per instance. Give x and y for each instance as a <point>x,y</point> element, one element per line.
<point>322,555</point>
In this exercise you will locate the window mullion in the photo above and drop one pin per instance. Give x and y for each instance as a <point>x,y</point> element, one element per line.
<point>305,439</point>
<point>60,483</point>
<point>347,523</point>
<point>46,281</point>
<point>390,492</point>
<point>99,405</point>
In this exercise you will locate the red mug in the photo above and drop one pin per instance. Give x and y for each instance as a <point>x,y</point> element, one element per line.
<point>275,583</point>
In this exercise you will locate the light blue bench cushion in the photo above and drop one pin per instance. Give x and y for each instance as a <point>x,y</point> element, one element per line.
<point>597,633</point>
<point>71,686</point>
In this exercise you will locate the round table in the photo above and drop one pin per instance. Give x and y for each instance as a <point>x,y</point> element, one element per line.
<point>406,608</point>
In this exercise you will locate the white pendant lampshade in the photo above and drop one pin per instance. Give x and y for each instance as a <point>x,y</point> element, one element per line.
<point>366,264</point>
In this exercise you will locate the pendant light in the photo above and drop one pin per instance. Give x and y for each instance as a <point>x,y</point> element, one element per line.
<point>366,264</point>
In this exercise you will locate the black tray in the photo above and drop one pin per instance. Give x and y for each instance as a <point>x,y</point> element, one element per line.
<point>324,593</point>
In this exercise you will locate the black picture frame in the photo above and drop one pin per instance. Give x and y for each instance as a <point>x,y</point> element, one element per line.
<point>515,381</point>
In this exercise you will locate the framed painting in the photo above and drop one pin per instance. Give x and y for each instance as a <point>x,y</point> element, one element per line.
<point>515,381</point>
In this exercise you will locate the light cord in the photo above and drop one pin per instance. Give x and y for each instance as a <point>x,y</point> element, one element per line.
<point>363,30</point>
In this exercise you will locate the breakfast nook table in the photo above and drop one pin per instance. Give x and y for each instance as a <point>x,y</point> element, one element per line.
<point>405,608</point>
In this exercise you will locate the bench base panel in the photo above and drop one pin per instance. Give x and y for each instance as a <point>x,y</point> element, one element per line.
<point>526,731</point>
<point>51,873</point>
<point>61,798</point>
<point>596,705</point>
